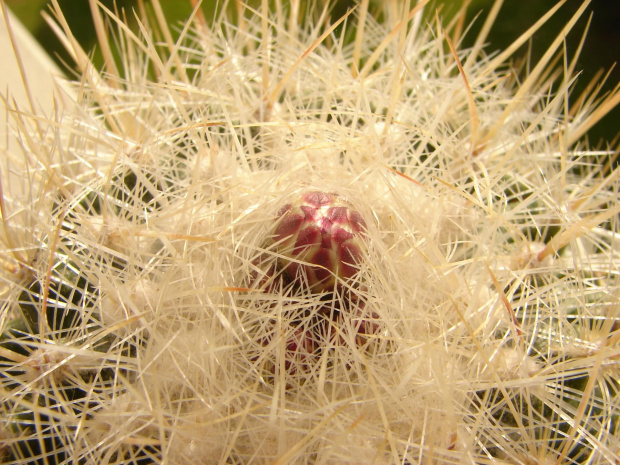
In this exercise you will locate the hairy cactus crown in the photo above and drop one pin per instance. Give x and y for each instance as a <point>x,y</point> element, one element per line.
<point>299,239</point>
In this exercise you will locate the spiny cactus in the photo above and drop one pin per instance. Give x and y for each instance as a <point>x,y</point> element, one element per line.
<point>292,238</point>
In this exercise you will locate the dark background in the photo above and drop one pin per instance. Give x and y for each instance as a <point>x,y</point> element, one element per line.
<point>601,51</point>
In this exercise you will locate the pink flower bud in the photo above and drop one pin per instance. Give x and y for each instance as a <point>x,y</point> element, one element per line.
<point>322,240</point>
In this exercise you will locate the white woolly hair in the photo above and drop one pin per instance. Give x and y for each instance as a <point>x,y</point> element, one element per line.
<point>139,321</point>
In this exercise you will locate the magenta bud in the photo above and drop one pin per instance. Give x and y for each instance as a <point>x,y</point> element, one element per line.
<point>322,239</point>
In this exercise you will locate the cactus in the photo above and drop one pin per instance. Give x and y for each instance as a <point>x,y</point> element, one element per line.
<point>299,239</point>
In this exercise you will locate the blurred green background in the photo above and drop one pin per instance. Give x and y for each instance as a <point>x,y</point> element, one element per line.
<point>601,51</point>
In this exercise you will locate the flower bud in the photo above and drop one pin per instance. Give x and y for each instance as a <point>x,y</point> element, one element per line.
<point>321,240</point>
